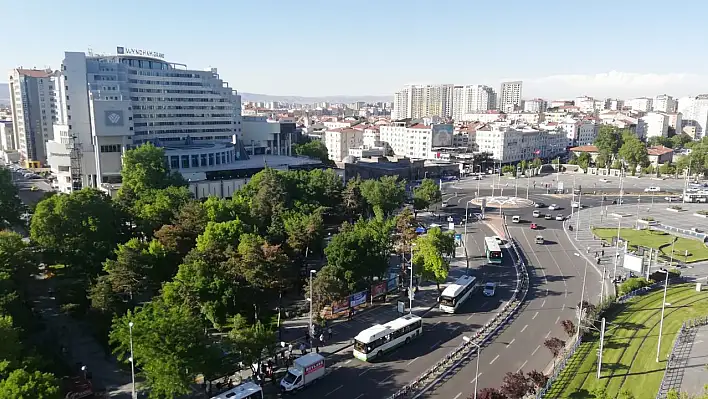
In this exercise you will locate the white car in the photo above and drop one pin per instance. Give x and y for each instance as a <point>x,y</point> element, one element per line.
<point>559,217</point>
<point>490,289</point>
<point>552,207</point>
<point>537,214</point>
<point>576,205</point>
<point>651,189</point>
<point>604,180</point>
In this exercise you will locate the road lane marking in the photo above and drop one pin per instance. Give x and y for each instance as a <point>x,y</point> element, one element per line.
<point>546,291</point>
<point>360,396</point>
<point>435,344</point>
<point>385,379</point>
<point>471,316</point>
<point>411,362</point>
<point>510,342</point>
<point>543,303</point>
<point>475,378</point>
<point>335,390</point>
<point>525,327</point>
<point>563,308</point>
<point>458,395</point>
<point>494,360</point>
<point>347,362</point>
<point>558,319</point>
<point>565,294</point>
<point>534,316</point>
<point>535,350</point>
<point>484,304</point>
<point>364,372</point>
<point>522,366</point>
<point>548,334</point>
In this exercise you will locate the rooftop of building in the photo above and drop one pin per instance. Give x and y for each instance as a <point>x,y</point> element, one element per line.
<point>659,150</point>
<point>584,148</point>
<point>35,73</point>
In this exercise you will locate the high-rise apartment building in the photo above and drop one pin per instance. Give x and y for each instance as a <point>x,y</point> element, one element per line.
<point>472,99</point>
<point>107,104</point>
<point>422,101</point>
<point>641,104</point>
<point>537,105</point>
<point>664,103</point>
<point>510,96</point>
<point>694,115</point>
<point>33,112</point>
<point>7,136</point>
<point>653,124</point>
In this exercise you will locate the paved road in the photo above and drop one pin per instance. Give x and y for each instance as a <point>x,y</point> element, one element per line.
<point>352,379</point>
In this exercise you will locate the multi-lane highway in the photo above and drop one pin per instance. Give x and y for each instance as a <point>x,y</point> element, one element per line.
<point>352,379</point>
<point>556,275</point>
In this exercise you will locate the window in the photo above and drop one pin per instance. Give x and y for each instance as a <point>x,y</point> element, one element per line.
<point>174,162</point>
<point>195,161</point>
<point>110,148</point>
<point>185,161</point>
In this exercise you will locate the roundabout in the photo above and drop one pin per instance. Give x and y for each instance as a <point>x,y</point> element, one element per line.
<point>503,202</point>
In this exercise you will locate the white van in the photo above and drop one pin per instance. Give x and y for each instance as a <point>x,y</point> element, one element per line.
<point>305,370</point>
<point>516,219</point>
<point>652,189</point>
<point>444,204</point>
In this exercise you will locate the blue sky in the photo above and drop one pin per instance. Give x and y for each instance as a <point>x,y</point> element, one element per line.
<point>373,47</point>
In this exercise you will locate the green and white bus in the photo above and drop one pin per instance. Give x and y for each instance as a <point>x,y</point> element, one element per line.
<point>492,250</point>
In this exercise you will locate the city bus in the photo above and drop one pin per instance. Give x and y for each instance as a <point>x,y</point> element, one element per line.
<point>492,250</point>
<point>379,339</point>
<point>247,390</point>
<point>457,293</point>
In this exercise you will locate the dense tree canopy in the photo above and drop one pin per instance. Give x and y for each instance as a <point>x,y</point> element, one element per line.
<point>385,195</point>
<point>431,255</point>
<point>11,207</point>
<point>609,142</point>
<point>633,152</point>
<point>426,194</point>
<point>314,149</point>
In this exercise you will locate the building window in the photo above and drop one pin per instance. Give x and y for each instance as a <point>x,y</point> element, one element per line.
<point>211,159</point>
<point>204,159</point>
<point>185,161</point>
<point>195,161</point>
<point>110,148</point>
<point>174,162</point>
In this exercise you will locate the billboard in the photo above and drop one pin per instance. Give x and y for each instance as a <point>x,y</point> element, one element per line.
<point>634,263</point>
<point>357,299</point>
<point>442,135</point>
<point>378,290</point>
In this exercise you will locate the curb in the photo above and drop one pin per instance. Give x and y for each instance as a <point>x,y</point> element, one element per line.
<point>584,256</point>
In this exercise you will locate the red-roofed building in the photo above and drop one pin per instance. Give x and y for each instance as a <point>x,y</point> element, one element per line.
<point>660,155</point>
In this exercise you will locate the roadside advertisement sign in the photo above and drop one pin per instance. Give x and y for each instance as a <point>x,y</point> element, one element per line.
<point>357,299</point>
<point>378,290</point>
<point>340,306</point>
<point>392,284</point>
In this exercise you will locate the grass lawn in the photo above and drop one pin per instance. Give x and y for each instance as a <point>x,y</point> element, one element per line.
<point>658,240</point>
<point>629,359</point>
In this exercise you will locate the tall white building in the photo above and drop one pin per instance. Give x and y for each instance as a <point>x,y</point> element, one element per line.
<point>578,131</point>
<point>510,144</point>
<point>537,105</point>
<point>32,106</point>
<point>7,136</point>
<point>421,101</point>
<point>110,103</point>
<point>694,112</point>
<point>339,141</point>
<point>653,124</point>
<point>417,140</point>
<point>665,103</point>
<point>472,99</point>
<point>510,96</point>
<point>641,104</point>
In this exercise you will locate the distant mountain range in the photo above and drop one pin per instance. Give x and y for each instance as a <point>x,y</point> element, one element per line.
<point>5,98</point>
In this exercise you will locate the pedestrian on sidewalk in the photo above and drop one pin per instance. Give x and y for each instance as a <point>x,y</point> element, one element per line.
<point>329,333</point>
<point>603,252</point>
<point>317,349</point>
<point>302,348</point>
<point>322,339</point>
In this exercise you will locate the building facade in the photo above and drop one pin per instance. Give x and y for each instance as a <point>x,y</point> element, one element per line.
<point>665,103</point>
<point>537,105</point>
<point>653,124</point>
<point>641,104</point>
<point>694,112</point>
<point>7,136</point>
<point>422,101</point>
<point>339,141</point>
<point>472,99</point>
<point>511,144</point>
<point>33,112</point>
<point>510,96</point>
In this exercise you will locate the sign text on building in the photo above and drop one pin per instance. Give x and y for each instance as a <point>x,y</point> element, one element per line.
<point>140,52</point>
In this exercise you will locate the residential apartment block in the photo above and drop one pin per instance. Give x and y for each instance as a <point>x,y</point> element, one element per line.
<point>664,103</point>
<point>510,144</point>
<point>694,111</point>
<point>472,99</point>
<point>421,101</point>
<point>653,124</point>
<point>510,96</point>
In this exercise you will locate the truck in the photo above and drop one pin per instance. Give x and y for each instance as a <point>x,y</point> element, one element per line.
<point>305,370</point>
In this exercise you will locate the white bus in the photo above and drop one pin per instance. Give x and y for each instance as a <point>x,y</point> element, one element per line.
<point>457,293</point>
<point>247,390</point>
<point>492,250</point>
<point>379,339</point>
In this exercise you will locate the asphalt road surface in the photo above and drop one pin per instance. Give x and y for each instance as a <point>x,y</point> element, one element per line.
<point>354,379</point>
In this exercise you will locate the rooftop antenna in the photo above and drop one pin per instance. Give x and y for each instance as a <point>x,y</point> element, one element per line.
<point>90,52</point>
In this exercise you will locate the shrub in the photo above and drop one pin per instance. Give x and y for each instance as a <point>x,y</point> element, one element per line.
<point>648,218</point>
<point>678,208</point>
<point>702,213</point>
<point>633,284</point>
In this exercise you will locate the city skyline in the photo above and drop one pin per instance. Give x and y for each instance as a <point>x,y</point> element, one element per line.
<point>269,56</point>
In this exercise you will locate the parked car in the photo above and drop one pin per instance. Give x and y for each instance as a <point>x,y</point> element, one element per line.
<point>539,205</point>
<point>604,180</point>
<point>652,189</point>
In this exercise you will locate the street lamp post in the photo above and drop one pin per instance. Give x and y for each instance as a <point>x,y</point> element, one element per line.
<point>671,260</point>
<point>577,215</point>
<point>479,178</point>
<point>663,306</point>
<point>582,297</point>
<point>311,331</point>
<point>619,225</point>
<point>467,207</point>
<point>410,290</point>
<point>476,374</point>
<point>132,359</point>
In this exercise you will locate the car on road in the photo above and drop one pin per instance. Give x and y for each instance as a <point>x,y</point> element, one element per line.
<point>553,207</point>
<point>604,180</point>
<point>540,240</point>
<point>539,205</point>
<point>33,188</point>
<point>672,198</point>
<point>516,219</point>
<point>548,216</point>
<point>444,204</point>
<point>559,217</point>
<point>617,201</point>
<point>575,205</point>
<point>536,214</point>
<point>534,226</point>
<point>490,289</point>
<point>652,189</point>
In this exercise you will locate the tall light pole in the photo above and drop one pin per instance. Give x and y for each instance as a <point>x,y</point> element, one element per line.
<point>673,242</point>
<point>479,178</point>
<point>467,207</point>
<point>410,290</point>
<point>639,201</point>
<point>619,225</point>
<point>311,332</point>
<point>663,306</point>
<point>476,374</point>
<point>577,215</point>
<point>132,359</point>
<point>582,297</point>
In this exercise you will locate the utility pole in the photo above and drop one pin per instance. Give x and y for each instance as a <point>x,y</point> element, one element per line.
<point>602,342</point>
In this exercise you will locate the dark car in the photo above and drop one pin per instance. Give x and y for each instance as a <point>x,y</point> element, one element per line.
<point>539,205</point>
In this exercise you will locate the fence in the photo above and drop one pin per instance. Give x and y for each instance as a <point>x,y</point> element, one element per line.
<point>434,374</point>
<point>671,364</point>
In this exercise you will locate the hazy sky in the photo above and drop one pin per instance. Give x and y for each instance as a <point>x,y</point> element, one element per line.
<point>373,47</point>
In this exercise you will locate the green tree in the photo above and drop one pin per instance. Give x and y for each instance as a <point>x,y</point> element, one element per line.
<point>584,160</point>
<point>169,347</point>
<point>80,229</point>
<point>24,384</point>
<point>11,207</point>
<point>405,231</point>
<point>431,255</point>
<point>11,348</point>
<point>633,152</point>
<point>265,266</point>
<point>608,142</point>
<point>251,342</point>
<point>660,141</point>
<point>314,149</point>
<point>218,236</point>
<point>667,169</point>
<point>426,194</point>
<point>140,268</point>
<point>680,140</point>
<point>304,231</point>
<point>181,236</point>
<point>327,287</point>
<point>144,169</point>
<point>385,194</point>
<point>158,207</point>
<point>353,201</point>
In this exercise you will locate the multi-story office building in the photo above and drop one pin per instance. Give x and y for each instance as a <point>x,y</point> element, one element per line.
<point>511,144</point>
<point>537,105</point>
<point>665,103</point>
<point>416,140</point>
<point>109,103</point>
<point>510,96</point>
<point>641,104</point>
<point>339,141</point>
<point>421,101</point>
<point>578,131</point>
<point>7,136</point>
<point>472,99</point>
<point>33,112</point>
<point>694,111</point>
<point>653,124</point>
